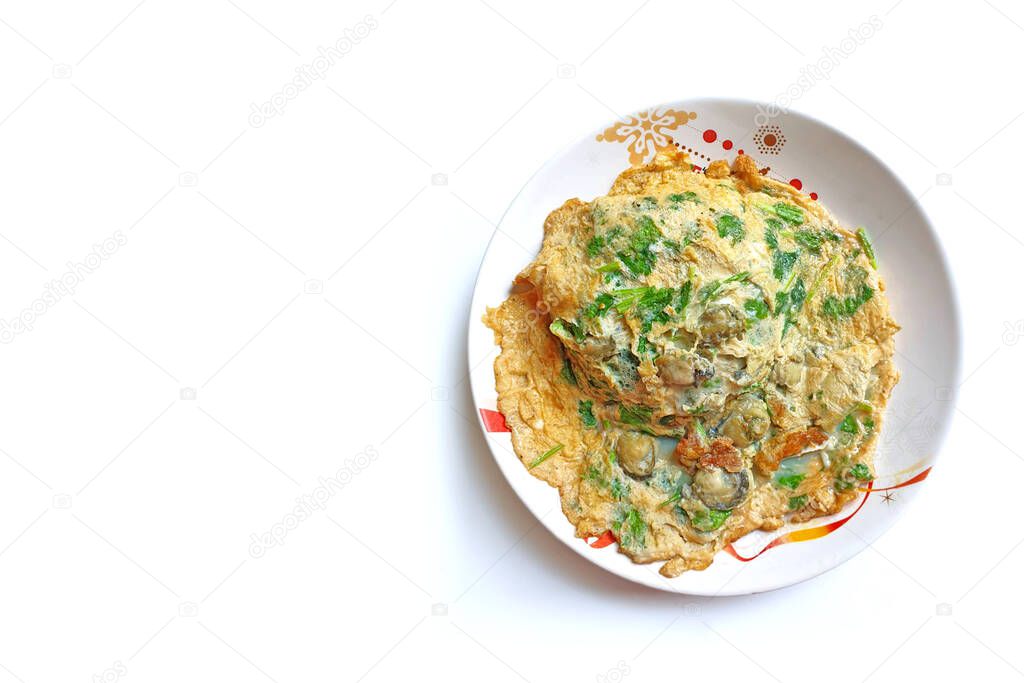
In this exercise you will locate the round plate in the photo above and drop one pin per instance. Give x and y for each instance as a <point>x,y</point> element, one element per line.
<point>860,191</point>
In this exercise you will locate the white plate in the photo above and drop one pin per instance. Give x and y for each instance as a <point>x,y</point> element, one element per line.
<point>860,190</point>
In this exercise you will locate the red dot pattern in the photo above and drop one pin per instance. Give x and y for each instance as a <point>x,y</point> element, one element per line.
<point>710,135</point>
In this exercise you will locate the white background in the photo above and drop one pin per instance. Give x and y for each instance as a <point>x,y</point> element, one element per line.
<point>128,511</point>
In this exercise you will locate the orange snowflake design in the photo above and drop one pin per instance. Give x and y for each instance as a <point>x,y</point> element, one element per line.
<point>646,133</point>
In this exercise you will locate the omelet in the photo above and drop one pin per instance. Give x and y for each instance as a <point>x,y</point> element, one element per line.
<point>694,356</point>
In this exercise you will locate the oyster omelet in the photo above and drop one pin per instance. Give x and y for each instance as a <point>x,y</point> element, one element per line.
<point>695,356</point>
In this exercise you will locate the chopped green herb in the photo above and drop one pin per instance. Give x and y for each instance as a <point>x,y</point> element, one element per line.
<point>797,502</point>
<point>637,263</point>
<point>771,233</point>
<point>648,304</point>
<point>668,501</point>
<point>741,276</point>
<point>783,262</point>
<point>832,307</point>
<point>730,226</point>
<point>601,304</point>
<point>841,485</point>
<point>620,489</point>
<point>835,308</point>
<point>790,481</point>
<point>684,197</point>
<point>595,245</point>
<point>631,527</point>
<point>756,309</point>
<point>709,520</point>
<point>789,213</point>
<point>635,415</point>
<point>638,258</point>
<point>684,295</point>
<point>567,372</point>
<point>650,308</point>
<point>546,455</point>
<point>789,303</point>
<point>565,329</point>
<point>709,290</point>
<point>595,476</point>
<point>821,275</point>
<point>808,239</point>
<point>861,472</point>
<point>586,411</point>
<point>646,234</point>
<point>849,425</point>
<point>712,383</point>
<point>865,244</point>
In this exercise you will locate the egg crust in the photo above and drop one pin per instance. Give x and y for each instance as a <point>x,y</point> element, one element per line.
<point>695,356</point>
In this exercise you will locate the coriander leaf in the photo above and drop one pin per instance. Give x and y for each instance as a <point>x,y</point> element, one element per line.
<point>808,239</point>
<point>565,330</point>
<point>860,471</point>
<point>771,233</point>
<point>650,307</point>
<point>709,520</point>
<point>586,411</point>
<point>782,263</point>
<point>841,485</point>
<point>636,530</point>
<point>595,245</point>
<point>730,226</point>
<point>797,502</point>
<point>637,263</point>
<point>711,289</point>
<point>647,233</point>
<point>638,258</point>
<point>789,213</point>
<point>790,481</point>
<point>835,308</point>
<point>635,415</point>
<point>602,304</point>
<point>849,425</point>
<point>567,372</point>
<point>797,295</point>
<point>831,307</point>
<point>708,290</point>
<point>684,296</point>
<point>756,309</point>
<point>684,197</point>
